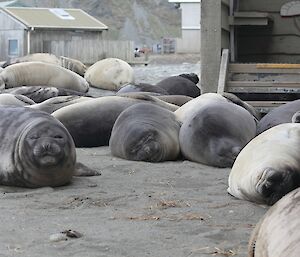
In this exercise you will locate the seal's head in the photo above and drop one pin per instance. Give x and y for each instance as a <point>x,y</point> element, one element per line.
<point>46,153</point>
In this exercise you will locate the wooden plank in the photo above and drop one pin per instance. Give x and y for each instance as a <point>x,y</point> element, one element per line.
<point>265,90</point>
<point>248,21</point>
<point>264,84</point>
<point>253,15</point>
<point>266,103</point>
<point>252,68</point>
<point>223,71</point>
<point>277,66</point>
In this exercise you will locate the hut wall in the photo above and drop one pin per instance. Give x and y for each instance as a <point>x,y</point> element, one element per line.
<point>277,42</point>
<point>10,29</point>
<point>85,46</point>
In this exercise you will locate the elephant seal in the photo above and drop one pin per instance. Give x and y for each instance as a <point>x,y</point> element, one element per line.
<point>180,85</point>
<point>109,74</point>
<point>277,234</point>
<point>39,94</point>
<point>215,133</point>
<point>36,149</point>
<point>90,122</point>
<point>142,87</point>
<point>41,74</point>
<point>55,103</point>
<point>68,63</point>
<point>279,115</point>
<point>16,100</point>
<point>145,132</point>
<point>269,165</point>
<point>178,100</point>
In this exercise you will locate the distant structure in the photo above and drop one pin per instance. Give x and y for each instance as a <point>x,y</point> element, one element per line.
<point>67,32</point>
<point>190,26</point>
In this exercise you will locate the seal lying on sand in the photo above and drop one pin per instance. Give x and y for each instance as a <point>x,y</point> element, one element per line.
<point>90,122</point>
<point>278,232</point>
<point>184,84</point>
<point>68,63</point>
<point>269,165</point>
<point>279,115</point>
<point>39,94</point>
<point>215,132</point>
<point>41,74</point>
<point>110,74</point>
<point>145,132</point>
<point>36,150</point>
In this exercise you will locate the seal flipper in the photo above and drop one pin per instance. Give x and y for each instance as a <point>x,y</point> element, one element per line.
<point>82,170</point>
<point>253,238</point>
<point>274,184</point>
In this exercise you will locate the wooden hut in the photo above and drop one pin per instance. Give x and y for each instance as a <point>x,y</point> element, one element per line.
<point>251,49</point>
<point>68,32</point>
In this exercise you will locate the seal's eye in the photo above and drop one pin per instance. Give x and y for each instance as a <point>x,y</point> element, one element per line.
<point>58,137</point>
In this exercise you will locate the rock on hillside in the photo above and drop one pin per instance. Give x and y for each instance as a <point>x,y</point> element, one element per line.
<point>143,21</point>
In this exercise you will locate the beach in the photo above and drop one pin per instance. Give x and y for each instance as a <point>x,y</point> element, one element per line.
<point>134,209</point>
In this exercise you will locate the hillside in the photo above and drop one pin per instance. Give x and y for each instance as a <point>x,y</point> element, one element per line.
<point>143,21</point>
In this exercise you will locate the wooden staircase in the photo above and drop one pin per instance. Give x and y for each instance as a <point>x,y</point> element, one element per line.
<point>263,85</point>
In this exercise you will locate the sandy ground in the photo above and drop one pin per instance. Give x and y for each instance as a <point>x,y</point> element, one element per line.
<point>134,209</point>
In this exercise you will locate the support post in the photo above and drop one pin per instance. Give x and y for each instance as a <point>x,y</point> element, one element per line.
<point>211,37</point>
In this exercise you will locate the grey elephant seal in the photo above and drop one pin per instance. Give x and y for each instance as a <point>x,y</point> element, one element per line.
<point>15,100</point>
<point>215,132</point>
<point>68,63</point>
<point>39,94</point>
<point>145,132</point>
<point>269,165</point>
<point>109,74</point>
<point>184,84</point>
<point>36,149</point>
<point>278,233</point>
<point>178,100</point>
<point>41,74</point>
<point>142,87</point>
<point>279,115</point>
<point>90,122</point>
<point>55,103</point>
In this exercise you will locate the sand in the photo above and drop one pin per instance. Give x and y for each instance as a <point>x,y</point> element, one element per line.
<point>134,209</point>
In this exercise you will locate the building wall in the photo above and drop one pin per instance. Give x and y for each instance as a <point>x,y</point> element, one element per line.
<point>86,46</point>
<point>278,42</point>
<point>190,33</point>
<point>10,29</point>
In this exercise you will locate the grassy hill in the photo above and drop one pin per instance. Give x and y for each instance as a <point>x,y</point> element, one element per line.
<point>143,21</point>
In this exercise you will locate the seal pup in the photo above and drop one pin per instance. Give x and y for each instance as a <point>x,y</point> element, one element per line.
<point>268,167</point>
<point>39,94</point>
<point>277,234</point>
<point>279,115</point>
<point>215,133</point>
<point>109,74</point>
<point>184,84</point>
<point>41,74</point>
<point>36,150</point>
<point>145,132</point>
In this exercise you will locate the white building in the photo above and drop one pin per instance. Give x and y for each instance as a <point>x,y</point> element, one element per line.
<point>190,26</point>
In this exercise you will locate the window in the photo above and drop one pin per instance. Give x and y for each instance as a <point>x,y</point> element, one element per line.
<point>13,47</point>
